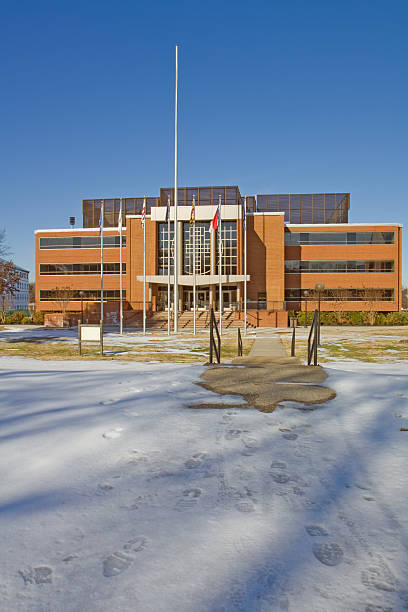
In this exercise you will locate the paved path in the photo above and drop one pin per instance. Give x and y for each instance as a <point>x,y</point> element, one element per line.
<point>269,346</point>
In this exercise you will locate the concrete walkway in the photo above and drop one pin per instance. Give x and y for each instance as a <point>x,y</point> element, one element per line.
<point>267,346</point>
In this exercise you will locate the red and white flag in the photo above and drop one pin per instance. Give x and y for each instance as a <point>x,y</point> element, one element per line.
<point>143,213</point>
<point>214,222</point>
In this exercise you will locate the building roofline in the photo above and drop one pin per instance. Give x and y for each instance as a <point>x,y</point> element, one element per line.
<point>343,224</point>
<point>80,229</point>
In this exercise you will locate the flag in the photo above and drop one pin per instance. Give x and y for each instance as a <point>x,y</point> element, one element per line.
<point>244,214</point>
<point>168,210</point>
<point>143,213</point>
<point>192,214</point>
<point>214,222</point>
<point>120,219</point>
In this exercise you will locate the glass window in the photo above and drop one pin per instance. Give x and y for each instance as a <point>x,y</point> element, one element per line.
<point>202,248</point>
<point>164,241</point>
<point>81,242</point>
<point>336,266</point>
<point>89,295</point>
<point>315,238</point>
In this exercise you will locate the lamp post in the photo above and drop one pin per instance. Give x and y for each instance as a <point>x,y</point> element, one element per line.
<point>319,288</point>
<point>81,293</point>
<point>306,294</point>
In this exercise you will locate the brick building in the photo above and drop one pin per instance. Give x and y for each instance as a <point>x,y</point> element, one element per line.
<point>293,242</point>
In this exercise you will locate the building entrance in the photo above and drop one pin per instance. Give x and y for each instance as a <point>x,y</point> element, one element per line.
<point>202,298</point>
<point>229,298</point>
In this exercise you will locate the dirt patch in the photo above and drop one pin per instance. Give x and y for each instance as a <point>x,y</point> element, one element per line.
<point>266,382</point>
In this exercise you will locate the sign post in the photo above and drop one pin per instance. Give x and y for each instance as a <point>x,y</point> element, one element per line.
<point>90,333</point>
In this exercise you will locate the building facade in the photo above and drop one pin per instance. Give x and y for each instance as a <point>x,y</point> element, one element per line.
<point>293,242</point>
<point>18,301</point>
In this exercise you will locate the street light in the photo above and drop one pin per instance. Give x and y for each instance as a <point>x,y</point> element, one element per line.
<point>81,293</point>
<point>319,288</point>
<point>306,294</point>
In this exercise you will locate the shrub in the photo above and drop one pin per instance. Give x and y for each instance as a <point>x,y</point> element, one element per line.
<point>397,318</point>
<point>38,318</point>
<point>17,317</point>
<point>26,321</point>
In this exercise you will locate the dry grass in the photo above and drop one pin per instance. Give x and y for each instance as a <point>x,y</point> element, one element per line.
<point>163,350</point>
<point>369,345</point>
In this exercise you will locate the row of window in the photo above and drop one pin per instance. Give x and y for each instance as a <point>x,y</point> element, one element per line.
<point>329,267</point>
<point>345,295</point>
<point>81,242</point>
<point>293,238</point>
<point>93,295</point>
<point>80,268</point>
<point>202,248</point>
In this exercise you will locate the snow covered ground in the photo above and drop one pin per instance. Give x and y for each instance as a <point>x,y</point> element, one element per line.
<point>114,496</point>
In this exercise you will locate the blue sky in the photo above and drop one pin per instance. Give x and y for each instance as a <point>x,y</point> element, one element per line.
<point>276,97</point>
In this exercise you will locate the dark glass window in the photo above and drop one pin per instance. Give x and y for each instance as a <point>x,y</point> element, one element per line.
<point>90,295</point>
<point>329,267</point>
<point>81,242</point>
<point>294,238</point>
<point>80,268</point>
<point>346,295</point>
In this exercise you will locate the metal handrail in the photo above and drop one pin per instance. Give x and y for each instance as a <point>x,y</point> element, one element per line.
<point>239,343</point>
<point>213,343</point>
<point>292,348</point>
<point>312,340</point>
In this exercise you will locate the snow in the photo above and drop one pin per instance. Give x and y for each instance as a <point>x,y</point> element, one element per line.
<point>117,497</point>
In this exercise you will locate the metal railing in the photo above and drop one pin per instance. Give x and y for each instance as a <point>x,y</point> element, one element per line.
<point>313,339</point>
<point>293,344</point>
<point>215,344</point>
<point>239,343</point>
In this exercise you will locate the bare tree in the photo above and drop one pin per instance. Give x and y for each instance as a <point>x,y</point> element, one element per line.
<point>4,249</point>
<point>371,296</point>
<point>405,297</point>
<point>62,296</point>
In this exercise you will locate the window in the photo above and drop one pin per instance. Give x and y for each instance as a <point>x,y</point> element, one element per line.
<point>347,295</point>
<point>88,296</point>
<point>82,268</point>
<point>81,242</point>
<point>228,248</point>
<point>202,248</point>
<point>294,238</point>
<point>295,266</point>
<point>164,241</point>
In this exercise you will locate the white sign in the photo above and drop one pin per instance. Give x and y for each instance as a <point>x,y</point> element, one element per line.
<point>91,333</point>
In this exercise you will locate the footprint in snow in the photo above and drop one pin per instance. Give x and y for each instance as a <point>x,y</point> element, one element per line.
<point>328,553</point>
<point>232,434</point>
<point>245,506</point>
<point>120,561</point>
<point>37,575</point>
<point>290,436</point>
<point>316,530</point>
<point>103,488</point>
<point>112,433</point>
<point>189,499</point>
<point>196,460</point>
<point>280,477</point>
<point>279,465</point>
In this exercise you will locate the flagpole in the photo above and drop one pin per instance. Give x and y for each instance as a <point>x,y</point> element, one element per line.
<point>245,269</point>
<point>220,264</point>
<point>175,255</point>
<point>168,267</point>
<point>194,270</point>
<point>101,232</point>
<point>121,277</point>
<point>144,265</point>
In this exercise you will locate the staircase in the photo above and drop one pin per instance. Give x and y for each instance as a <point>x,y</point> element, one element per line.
<point>158,320</point>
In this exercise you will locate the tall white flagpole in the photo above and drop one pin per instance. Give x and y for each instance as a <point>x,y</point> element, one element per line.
<point>194,271</point>
<point>220,263</point>
<point>175,292</point>
<point>245,267</point>
<point>144,264</point>
<point>168,267</point>
<point>121,277</point>
<point>101,233</point>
